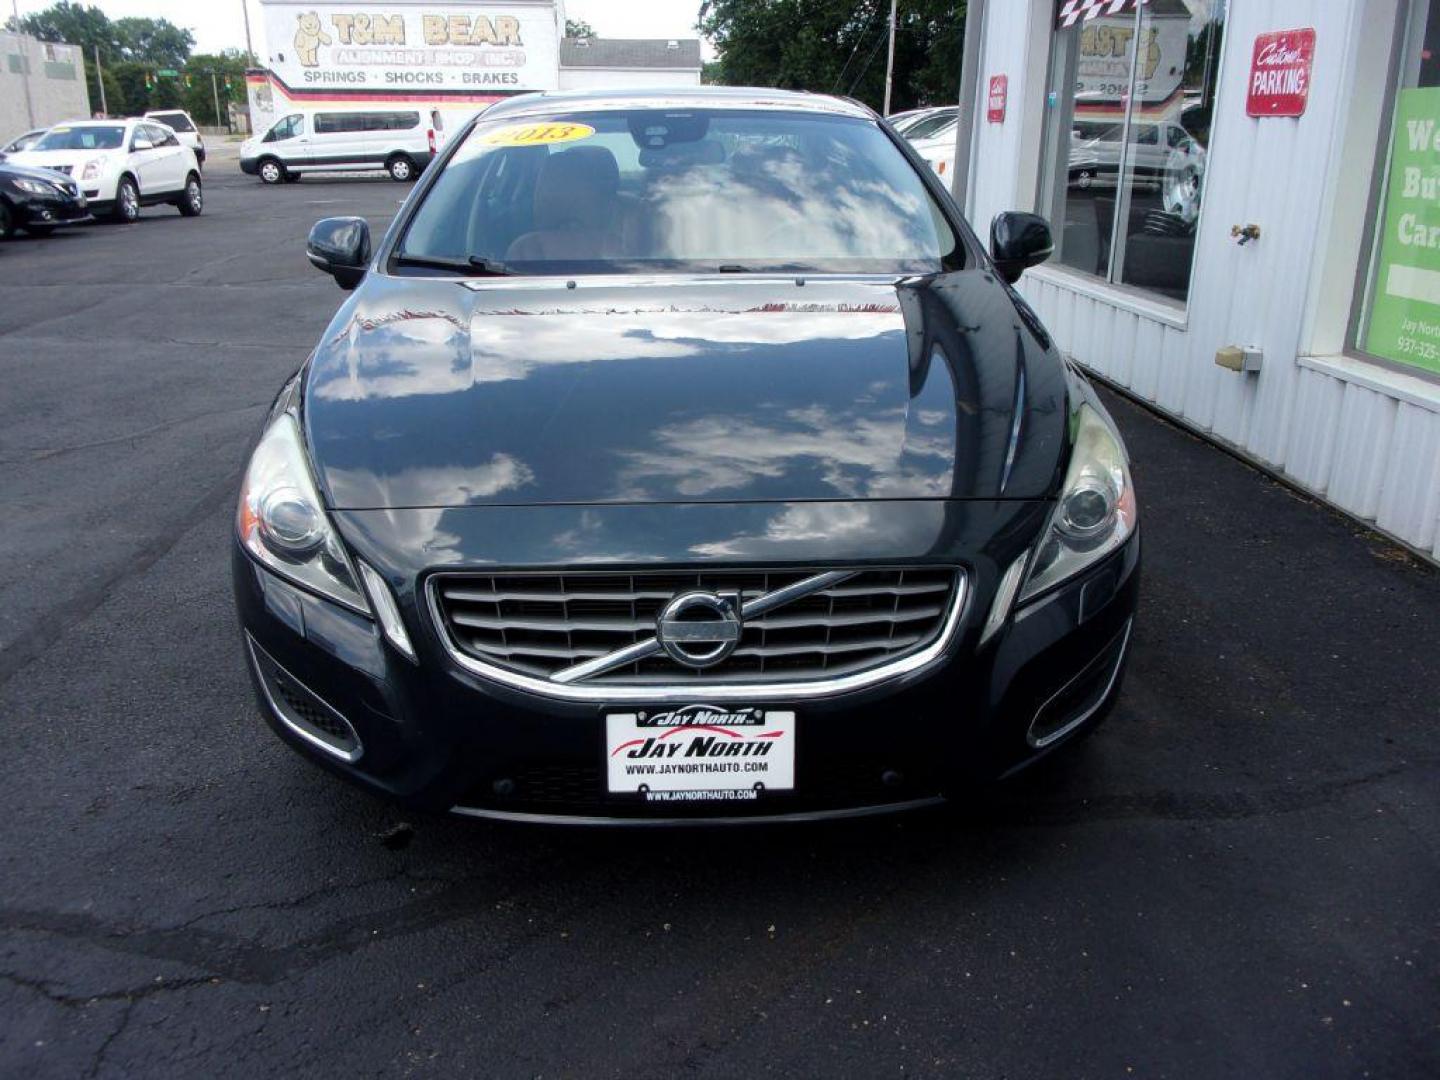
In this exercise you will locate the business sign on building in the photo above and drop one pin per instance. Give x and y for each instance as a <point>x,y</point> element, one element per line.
<point>1280,73</point>
<point>1110,37</point>
<point>430,49</point>
<point>996,98</point>
<point>1404,316</point>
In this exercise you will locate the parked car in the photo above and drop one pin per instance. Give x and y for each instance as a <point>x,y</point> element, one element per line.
<point>1095,151</point>
<point>938,149</point>
<point>332,140</point>
<point>683,455</point>
<point>121,165</point>
<point>38,201</point>
<point>185,128</point>
<point>22,142</point>
<point>927,123</point>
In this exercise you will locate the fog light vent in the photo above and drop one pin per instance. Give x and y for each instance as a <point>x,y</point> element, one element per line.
<point>303,711</point>
<point>1078,700</point>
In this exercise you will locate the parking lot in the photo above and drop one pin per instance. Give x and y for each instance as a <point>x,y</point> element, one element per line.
<point>1238,875</point>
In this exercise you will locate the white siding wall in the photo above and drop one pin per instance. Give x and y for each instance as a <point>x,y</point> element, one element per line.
<point>1364,438</point>
<point>1015,31</point>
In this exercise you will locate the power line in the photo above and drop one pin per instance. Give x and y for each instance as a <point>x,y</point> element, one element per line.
<point>859,40</point>
<point>879,40</point>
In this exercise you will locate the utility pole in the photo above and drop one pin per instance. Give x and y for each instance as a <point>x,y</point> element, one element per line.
<point>24,63</point>
<point>215,89</point>
<point>249,48</point>
<point>100,82</point>
<point>890,60</point>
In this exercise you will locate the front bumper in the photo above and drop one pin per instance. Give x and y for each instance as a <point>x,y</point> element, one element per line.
<point>249,165</point>
<point>47,211</point>
<point>437,737</point>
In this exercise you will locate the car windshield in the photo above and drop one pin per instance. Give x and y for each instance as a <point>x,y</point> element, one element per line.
<point>82,138</point>
<point>641,191</point>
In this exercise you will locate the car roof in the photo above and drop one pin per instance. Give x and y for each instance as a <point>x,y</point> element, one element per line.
<point>698,97</point>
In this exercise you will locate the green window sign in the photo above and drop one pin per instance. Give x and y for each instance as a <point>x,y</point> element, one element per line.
<point>1404,317</point>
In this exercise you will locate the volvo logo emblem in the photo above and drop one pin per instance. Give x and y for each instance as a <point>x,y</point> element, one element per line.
<point>699,629</point>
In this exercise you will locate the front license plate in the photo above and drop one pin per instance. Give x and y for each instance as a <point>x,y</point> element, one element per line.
<point>700,753</point>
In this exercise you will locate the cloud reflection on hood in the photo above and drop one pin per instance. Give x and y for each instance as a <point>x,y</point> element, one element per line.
<point>404,354</point>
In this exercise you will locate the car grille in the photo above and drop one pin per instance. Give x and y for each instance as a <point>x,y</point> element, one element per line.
<point>60,168</point>
<point>538,624</point>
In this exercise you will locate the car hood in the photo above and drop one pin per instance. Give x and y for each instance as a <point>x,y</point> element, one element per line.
<point>437,392</point>
<point>10,167</point>
<point>52,159</point>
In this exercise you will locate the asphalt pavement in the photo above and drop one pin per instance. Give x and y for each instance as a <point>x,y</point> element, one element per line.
<point>1239,875</point>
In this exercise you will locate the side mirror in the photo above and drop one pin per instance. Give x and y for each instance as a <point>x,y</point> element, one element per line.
<point>341,247</point>
<point>141,143</point>
<point>1019,241</point>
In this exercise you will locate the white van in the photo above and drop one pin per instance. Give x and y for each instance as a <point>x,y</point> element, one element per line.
<point>341,140</point>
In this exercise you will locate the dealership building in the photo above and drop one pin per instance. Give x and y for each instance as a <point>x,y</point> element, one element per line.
<point>455,55</point>
<point>41,83</point>
<point>1245,198</point>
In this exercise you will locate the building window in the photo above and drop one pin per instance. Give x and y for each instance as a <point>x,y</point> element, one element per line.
<point>1399,317</point>
<point>1127,136</point>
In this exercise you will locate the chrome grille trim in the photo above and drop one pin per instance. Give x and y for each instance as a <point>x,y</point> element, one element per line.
<point>650,646</point>
<point>891,633</point>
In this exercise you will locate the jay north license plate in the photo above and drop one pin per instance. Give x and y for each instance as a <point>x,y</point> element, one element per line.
<point>700,752</point>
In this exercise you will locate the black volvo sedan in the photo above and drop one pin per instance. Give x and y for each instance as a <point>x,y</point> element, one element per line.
<point>683,456</point>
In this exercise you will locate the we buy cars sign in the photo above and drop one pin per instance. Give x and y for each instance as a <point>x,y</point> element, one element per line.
<point>1280,73</point>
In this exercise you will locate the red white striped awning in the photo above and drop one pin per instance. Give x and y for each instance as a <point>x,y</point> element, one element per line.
<point>1073,11</point>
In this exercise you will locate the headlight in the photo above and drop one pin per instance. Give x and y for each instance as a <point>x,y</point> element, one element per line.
<point>283,524</point>
<point>1096,510</point>
<point>92,169</point>
<point>35,187</point>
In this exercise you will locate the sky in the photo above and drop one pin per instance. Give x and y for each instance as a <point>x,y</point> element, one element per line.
<point>218,24</point>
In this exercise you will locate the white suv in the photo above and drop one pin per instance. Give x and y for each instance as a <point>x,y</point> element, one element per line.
<point>179,121</point>
<point>121,165</point>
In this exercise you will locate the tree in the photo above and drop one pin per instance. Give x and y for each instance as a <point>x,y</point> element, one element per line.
<point>66,21</point>
<point>154,41</point>
<point>131,51</point>
<point>114,99</point>
<point>578,28</point>
<point>838,47</point>
<point>229,68</point>
<point>134,81</point>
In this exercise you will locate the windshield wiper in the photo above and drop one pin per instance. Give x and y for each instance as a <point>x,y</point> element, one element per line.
<point>734,268</point>
<point>490,267</point>
<point>474,266</point>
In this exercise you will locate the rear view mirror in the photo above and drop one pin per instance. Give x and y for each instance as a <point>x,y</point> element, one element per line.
<point>1019,241</point>
<point>341,247</point>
